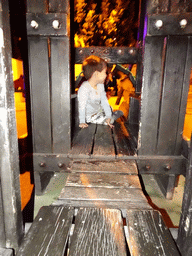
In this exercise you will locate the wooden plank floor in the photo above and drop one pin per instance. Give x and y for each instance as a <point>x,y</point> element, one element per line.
<point>62,230</point>
<point>102,141</point>
<point>113,184</point>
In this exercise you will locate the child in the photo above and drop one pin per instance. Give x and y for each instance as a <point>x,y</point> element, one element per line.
<point>92,100</point>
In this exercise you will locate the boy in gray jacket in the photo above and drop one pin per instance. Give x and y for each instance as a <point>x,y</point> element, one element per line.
<point>92,101</point>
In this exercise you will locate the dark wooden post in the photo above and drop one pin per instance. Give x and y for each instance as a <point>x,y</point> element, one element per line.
<point>166,74</point>
<point>10,202</point>
<point>185,226</point>
<point>49,67</point>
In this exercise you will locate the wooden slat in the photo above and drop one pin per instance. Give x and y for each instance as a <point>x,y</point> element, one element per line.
<point>184,233</point>
<point>40,94</point>
<point>108,194</point>
<point>119,166</point>
<point>122,140</point>
<point>98,232</point>
<point>48,233</point>
<point>142,204</point>
<point>103,144</point>
<point>60,81</point>
<point>10,197</point>
<point>151,94</point>
<point>171,95</point>
<point>148,235</point>
<point>82,144</point>
<point>106,180</point>
<point>123,206</point>
<point>184,98</point>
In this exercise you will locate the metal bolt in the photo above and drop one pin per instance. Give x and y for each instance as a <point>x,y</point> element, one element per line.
<point>56,24</point>
<point>183,23</point>
<point>34,24</point>
<point>42,164</point>
<point>167,167</point>
<point>119,51</point>
<point>147,167</point>
<point>80,51</point>
<point>131,51</point>
<point>92,51</point>
<point>60,165</point>
<point>158,24</point>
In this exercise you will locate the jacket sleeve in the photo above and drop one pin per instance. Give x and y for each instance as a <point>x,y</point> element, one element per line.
<point>104,102</point>
<point>82,96</point>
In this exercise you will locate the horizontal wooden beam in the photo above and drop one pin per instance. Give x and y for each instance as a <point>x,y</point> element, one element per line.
<point>121,55</point>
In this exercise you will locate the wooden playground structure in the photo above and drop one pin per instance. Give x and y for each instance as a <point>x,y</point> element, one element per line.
<point>102,209</point>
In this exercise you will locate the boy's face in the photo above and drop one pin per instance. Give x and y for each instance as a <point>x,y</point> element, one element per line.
<point>101,76</point>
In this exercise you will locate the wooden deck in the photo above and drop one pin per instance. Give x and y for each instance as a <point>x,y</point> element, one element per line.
<point>102,209</point>
<point>59,230</point>
<point>96,183</point>
<point>102,141</point>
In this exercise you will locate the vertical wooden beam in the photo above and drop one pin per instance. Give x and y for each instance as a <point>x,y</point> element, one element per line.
<point>9,160</point>
<point>60,75</point>
<point>175,62</point>
<point>184,97</point>
<point>185,225</point>
<point>60,83</point>
<point>40,94</point>
<point>151,95</point>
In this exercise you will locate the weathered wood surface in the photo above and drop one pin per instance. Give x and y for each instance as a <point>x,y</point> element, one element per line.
<point>122,139</point>
<point>109,194</point>
<point>103,180</point>
<point>49,232</point>
<point>6,252</point>
<point>10,197</point>
<point>116,166</point>
<point>103,143</point>
<point>100,141</point>
<point>148,235</point>
<point>103,184</point>
<point>83,142</point>
<point>121,205</point>
<point>59,230</point>
<point>98,232</point>
<point>185,226</point>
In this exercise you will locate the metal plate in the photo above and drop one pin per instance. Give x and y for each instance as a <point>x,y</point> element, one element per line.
<point>50,162</point>
<point>42,24</point>
<point>164,165</point>
<point>170,24</point>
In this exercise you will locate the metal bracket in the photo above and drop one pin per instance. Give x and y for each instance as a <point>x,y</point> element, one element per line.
<point>50,162</point>
<point>170,24</point>
<point>49,24</point>
<point>164,165</point>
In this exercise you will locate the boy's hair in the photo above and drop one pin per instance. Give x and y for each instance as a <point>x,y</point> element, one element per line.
<point>91,64</point>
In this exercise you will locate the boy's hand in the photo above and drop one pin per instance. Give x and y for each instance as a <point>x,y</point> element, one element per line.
<point>83,125</point>
<point>108,120</point>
